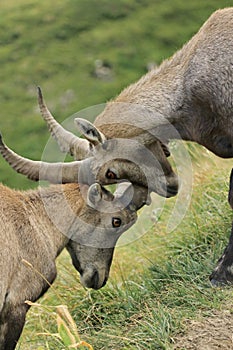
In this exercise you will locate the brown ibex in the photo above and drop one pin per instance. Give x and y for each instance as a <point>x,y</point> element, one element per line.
<point>37,224</point>
<point>189,96</point>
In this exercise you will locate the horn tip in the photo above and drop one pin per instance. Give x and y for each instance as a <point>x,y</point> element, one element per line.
<point>40,96</point>
<point>1,140</point>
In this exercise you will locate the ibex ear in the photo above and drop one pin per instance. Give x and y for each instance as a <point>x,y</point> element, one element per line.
<point>89,131</point>
<point>230,194</point>
<point>94,195</point>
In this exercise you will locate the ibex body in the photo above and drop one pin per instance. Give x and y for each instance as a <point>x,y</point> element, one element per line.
<point>190,96</point>
<point>34,228</point>
<point>192,91</point>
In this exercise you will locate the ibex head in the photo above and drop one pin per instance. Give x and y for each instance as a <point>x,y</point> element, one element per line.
<point>102,160</point>
<point>117,151</point>
<point>102,220</point>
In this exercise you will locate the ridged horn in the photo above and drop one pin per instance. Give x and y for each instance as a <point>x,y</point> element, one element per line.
<point>68,142</point>
<point>39,170</point>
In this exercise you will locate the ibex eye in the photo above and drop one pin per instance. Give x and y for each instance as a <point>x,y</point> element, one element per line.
<point>116,222</point>
<point>110,175</point>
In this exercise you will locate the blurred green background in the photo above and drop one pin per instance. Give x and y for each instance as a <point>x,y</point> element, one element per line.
<point>57,44</point>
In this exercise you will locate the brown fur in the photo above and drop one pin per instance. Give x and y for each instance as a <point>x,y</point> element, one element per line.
<point>192,90</point>
<point>35,226</point>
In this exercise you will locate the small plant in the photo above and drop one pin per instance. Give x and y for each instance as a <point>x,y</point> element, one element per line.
<point>68,334</point>
<point>67,330</point>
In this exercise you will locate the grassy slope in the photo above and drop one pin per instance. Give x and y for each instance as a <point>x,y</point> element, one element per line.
<point>55,44</point>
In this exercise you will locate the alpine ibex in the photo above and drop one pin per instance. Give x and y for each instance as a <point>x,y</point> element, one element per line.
<point>223,273</point>
<point>36,225</point>
<point>189,96</point>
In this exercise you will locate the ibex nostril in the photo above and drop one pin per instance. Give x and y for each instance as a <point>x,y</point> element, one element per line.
<point>96,282</point>
<point>91,279</point>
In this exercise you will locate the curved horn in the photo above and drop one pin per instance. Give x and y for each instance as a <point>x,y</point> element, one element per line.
<point>68,142</point>
<point>38,170</point>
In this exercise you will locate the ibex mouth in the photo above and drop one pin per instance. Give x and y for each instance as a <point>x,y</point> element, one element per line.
<point>168,191</point>
<point>172,190</point>
<point>93,280</point>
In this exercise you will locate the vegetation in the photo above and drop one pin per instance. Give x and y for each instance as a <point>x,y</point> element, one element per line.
<point>160,281</point>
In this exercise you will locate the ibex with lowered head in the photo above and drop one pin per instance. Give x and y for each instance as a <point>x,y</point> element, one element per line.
<point>189,96</point>
<point>36,225</point>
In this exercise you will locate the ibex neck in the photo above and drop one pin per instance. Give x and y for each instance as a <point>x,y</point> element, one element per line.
<point>159,91</point>
<point>58,207</point>
<point>162,91</point>
<point>156,99</point>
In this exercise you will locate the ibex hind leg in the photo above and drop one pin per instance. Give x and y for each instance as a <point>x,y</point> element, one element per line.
<point>11,326</point>
<point>223,272</point>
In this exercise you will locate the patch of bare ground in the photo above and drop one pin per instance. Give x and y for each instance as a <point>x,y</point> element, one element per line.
<point>210,333</point>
